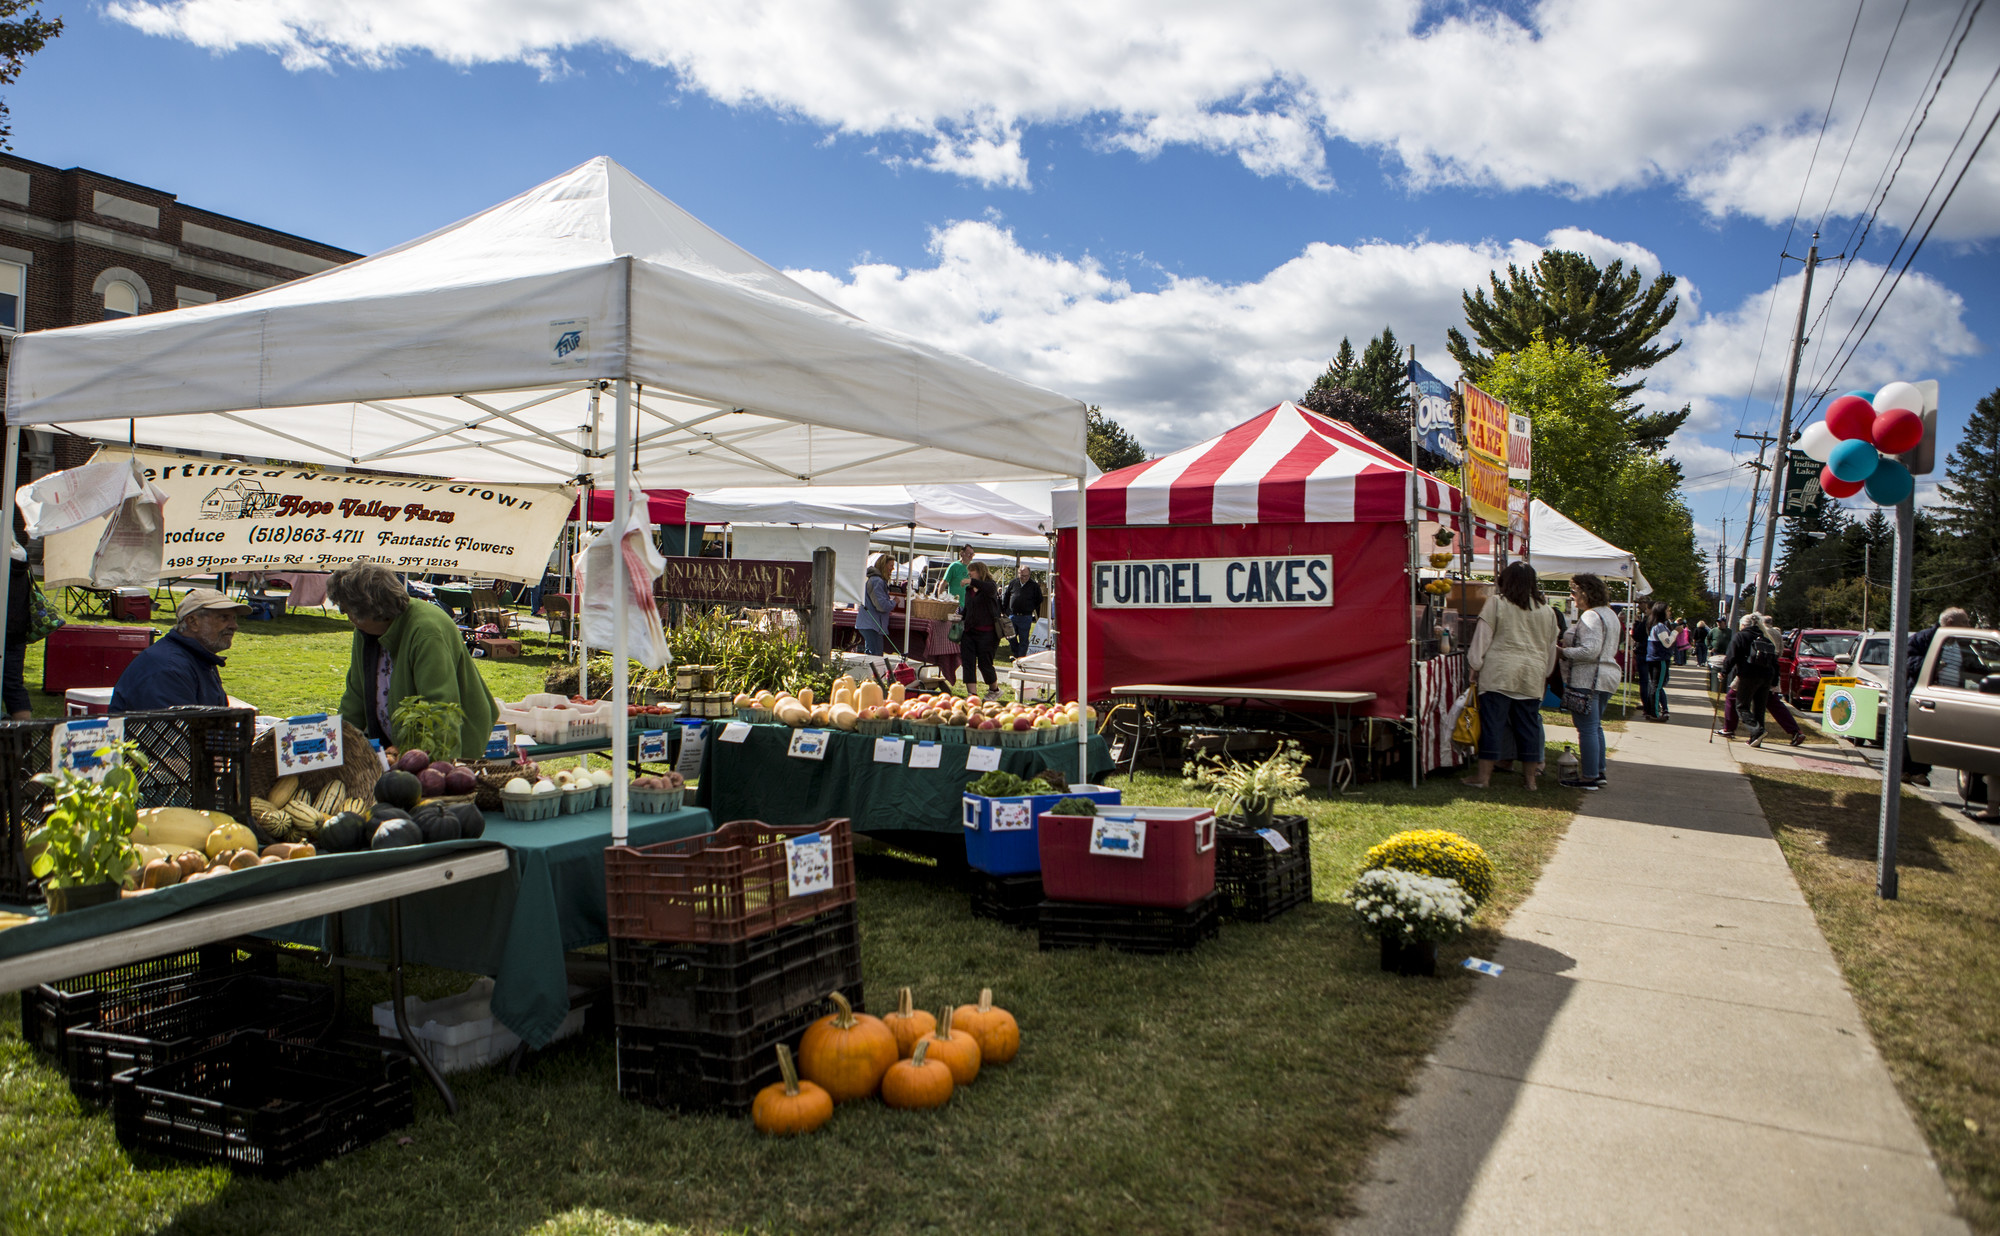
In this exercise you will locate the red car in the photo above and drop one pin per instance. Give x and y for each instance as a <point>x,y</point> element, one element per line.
<point>1808,655</point>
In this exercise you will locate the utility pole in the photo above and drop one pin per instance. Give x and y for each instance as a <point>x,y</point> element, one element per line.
<point>1785,426</point>
<point>1750,520</point>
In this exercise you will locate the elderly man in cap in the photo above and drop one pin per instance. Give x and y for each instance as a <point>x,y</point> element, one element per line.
<point>185,666</point>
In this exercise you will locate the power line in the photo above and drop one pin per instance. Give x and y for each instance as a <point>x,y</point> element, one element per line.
<point>1837,76</point>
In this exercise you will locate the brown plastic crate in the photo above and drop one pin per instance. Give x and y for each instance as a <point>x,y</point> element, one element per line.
<point>730,884</point>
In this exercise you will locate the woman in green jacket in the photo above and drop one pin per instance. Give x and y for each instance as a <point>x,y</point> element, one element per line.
<point>401,649</point>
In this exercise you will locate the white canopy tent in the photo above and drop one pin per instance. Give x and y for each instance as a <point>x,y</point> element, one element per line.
<point>481,351</point>
<point>948,508</point>
<point>1560,546</point>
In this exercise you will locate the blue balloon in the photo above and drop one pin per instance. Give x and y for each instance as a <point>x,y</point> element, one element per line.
<point>1868,396</point>
<point>1890,483</point>
<point>1854,460</point>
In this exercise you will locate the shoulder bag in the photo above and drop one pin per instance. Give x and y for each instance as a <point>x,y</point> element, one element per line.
<point>42,616</point>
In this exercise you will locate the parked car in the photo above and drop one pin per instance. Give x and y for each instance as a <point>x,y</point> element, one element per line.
<point>1807,654</point>
<point>1955,707</point>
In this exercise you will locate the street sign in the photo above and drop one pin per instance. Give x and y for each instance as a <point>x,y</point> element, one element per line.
<point>1803,495</point>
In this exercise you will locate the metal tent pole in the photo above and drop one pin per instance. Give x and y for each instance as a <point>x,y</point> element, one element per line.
<point>909,591</point>
<point>621,504</point>
<point>1083,728</point>
<point>9,477</point>
<point>576,549</point>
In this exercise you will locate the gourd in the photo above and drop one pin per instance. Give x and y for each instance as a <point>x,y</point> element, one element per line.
<point>908,1023</point>
<point>895,693</point>
<point>841,695</point>
<point>995,1030</point>
<point>230,836</point>
<point>790,1106</point>
<point>806,696</point>
<point>957,1049</point>
<point>918,1082</point>
<point>869,695</point>
<point>847,1052</point>
<point>843,716</point>
<point>175,828</point>
<point>791,712</point>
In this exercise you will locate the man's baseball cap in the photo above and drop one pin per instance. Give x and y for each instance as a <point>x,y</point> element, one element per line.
<point>208,598</point>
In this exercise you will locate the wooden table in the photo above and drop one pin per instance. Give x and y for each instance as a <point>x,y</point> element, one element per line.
<point>1278,696</point>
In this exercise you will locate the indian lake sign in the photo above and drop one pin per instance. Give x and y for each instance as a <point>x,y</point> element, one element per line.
<point>1213,583</point>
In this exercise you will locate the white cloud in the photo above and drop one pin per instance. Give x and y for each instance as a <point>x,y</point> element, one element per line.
<point>1718,96</point>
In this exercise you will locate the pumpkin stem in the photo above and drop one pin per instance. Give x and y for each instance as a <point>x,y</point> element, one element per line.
<point>943,1030</point>
<point>986,999</point>
<point>917,1056</point>
<point>906,1003</point>
<point>789,1069</point>
<point>843,1012</point>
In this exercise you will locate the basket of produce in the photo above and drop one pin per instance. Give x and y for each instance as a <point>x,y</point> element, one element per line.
<point>875,727</point>
<point>951,735</point>
<point>657,795</point>
<point>933,609</point>
<point>527,801</point>
<point>490,777</point>
<point>355,777</point>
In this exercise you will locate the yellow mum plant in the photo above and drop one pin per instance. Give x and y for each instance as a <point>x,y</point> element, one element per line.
<point>1436,852</point>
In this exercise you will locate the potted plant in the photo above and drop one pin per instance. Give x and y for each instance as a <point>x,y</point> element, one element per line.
<point>83,849</point>
<point>1411,913</point>
<point>1251,792</point>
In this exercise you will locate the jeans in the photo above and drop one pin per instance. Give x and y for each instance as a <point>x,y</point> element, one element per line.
<point>1499,712</point>
<point>975,655</point>
<point>1656,690</point>
<point>1645,670</point>
<point>871,642</point>
<point>1590,737</point>
<point>1024,624</point>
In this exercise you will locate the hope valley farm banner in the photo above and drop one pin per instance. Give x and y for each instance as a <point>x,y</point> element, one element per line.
<point>239,517</point>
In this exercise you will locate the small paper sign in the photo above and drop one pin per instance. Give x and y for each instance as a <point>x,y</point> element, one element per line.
<point>982,759</point>
<point>1482,967</point>
<point>925,755</point>
<point>1013,817</point>
<point>888,749</point>
<point>500,744</point>
<point>809,744</point>
<point>1118,838</point>
<point>306,744</point>
<point>380,754</point>
<point>1275,839</point>
<point>736,731</point>
<point>74,745</point>
<point>652,747</point>
<point>688,763</point>
<point>808,863</point>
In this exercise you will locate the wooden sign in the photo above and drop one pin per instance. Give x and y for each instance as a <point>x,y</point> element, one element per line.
<point>738,581</point>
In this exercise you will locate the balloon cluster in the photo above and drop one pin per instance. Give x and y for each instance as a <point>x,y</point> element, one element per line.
<point>1861,431</point>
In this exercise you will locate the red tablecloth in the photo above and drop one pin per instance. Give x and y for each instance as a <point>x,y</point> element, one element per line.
<point>927,637</point>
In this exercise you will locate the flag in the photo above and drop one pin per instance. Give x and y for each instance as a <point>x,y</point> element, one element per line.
<point>1432,399</point>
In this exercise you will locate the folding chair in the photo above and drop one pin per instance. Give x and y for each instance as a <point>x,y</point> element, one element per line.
<point>555,608</point>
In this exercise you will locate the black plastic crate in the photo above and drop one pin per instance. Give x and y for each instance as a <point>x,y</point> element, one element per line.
<point>51,1010</point>
<point>1131,929</point>
<point>1257,882</point>
<point>204,1013</point>
<point>264,1106</point>
<point>711,1072</point>
<point>1015,900</point>
<point>732,987</point>
<point>197,757</point>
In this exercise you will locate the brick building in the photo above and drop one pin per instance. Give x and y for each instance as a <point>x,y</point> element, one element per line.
<point>77,246</point>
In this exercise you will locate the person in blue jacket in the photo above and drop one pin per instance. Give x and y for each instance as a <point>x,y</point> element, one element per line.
<point>184,666</point>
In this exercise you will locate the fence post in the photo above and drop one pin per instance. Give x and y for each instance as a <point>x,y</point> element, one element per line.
<point>820,632</point>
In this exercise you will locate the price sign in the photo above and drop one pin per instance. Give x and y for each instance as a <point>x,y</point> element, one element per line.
<point>1275,839</point>
<point>1013,817</point>
<point>74,745</point>
<point>809,744</point>
<point>500,743</point>
<point>888,749</point>
<point>736,731</point>
<point>693,735</point>
<point>1118,838</point>
<point>808,864</point>
<point>925,755</point>
<point>652,747</point>
<point>306,744</point>
<point>982,759</point>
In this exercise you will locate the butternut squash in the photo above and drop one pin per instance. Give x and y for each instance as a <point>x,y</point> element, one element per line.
<point>806,696</point>
<point>841,695</point>
<point>791,712</point>
<point>895,693</point>
<point>868,695</point>
<point>843,716</point>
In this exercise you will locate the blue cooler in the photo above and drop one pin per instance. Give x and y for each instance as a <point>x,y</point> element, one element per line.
<point>1001,836</point>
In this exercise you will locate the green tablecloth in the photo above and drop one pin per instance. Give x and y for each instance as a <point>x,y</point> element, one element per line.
<point>756,780</point>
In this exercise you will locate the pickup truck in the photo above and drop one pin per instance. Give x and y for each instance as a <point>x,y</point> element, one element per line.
<point>1808,654</point>
<point>1955,707</point>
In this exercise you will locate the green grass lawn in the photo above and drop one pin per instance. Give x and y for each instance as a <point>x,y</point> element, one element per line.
<point>1238,1089</point>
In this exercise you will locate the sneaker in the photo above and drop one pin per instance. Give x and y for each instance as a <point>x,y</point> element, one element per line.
<point>1578,783</point>
<point>1725,733</point>
<point>1799,739</point>
<point>1756,739</point>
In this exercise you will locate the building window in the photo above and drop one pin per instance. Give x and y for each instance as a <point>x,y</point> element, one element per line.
<point>13,287</point>
<point>121,300</point>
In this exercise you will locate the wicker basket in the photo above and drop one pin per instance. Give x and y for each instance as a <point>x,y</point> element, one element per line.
<point>934,610</point>
<point>492,776</point>
<point>360,766</point>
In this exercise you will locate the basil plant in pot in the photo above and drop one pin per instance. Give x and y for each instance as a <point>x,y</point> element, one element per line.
<point>1252,792</point>
<point>83,848</point>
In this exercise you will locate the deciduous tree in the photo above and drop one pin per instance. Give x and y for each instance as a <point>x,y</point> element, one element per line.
<point>21,36</point>
<point>1109,445</point>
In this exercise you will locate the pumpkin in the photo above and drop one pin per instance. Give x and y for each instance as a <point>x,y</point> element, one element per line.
<point>918,1082</point>
<point>958,1050</point>
<point>847,1052</point>
<point>908,1023</point>
<point>790,1106</point>
<point>994,1029</point>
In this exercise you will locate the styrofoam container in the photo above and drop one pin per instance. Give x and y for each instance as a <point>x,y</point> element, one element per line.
<point>460,1032</point>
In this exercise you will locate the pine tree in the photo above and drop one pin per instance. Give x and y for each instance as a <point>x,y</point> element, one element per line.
<point>1968,514</point>
<point>1370,393</point>
<point>1339,371</point>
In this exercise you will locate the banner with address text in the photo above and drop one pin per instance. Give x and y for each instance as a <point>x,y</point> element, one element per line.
<point>238,517</point>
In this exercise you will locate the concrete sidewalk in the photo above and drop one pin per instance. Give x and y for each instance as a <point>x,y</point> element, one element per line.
<point>1671,1047</point>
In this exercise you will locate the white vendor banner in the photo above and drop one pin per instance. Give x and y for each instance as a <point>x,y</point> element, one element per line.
<point>1213,583</point>
<point>224,516</point>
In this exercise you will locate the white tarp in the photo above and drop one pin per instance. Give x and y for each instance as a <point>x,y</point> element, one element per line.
<point>948,508</point>
<point>1558,545</point>
<point>796,543</point>
<point>475,352</point>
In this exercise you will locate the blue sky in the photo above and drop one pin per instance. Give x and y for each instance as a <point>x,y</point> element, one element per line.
<point>1174,213</point>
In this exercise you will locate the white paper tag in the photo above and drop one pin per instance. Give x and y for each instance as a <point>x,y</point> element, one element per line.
<point>1482,967</point>
<point>736,731</point>
<point>74,745</point>
<point>652,747</point>
<point>1118,838</point>
<point>688,763</point>
<point>306,744</point>
<point>808,744</point>
<point>1013,817</point>
<point>808,863</point>
<point>925,755</point>
<point>383,756</point>
<point>888,749</point>
<point>982,759</point>
<point>1275,839</point>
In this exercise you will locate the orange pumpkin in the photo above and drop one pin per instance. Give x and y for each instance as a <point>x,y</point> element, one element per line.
<point>790,1106</point>
<point>994,1028</point>
<point>917,1082</point>
<point>957,1049</point>
<point>908,1023</point>
<point>847,1052</point>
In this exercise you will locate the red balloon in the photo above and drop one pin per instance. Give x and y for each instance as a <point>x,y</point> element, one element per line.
<point>1837,488</point>
<point>1897,430</point>
<point>1851,416</point>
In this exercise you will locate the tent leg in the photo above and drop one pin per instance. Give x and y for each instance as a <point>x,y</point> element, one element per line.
<point>909,591</point>
<point>621,503</point>
<point>9,477</point>
<point>1083,727</point>
<point>576,552</point>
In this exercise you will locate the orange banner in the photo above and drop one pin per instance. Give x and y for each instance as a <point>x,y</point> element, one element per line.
<point>1485,455</point>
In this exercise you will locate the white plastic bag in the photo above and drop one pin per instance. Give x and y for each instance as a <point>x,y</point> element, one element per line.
<point>132,550</point>
<point>646,639</point>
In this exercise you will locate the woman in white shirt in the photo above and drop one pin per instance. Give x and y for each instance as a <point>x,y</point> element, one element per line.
<point>1589,653</point>
<point>1513,653</point>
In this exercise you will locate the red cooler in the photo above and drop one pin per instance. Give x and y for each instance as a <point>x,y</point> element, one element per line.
<point>80,656</point>
<point>132,605</point>
<point>87,701</point>
<point>1130,856</point>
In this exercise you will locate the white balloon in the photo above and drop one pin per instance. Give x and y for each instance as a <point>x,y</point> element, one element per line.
<point>1899,395</point>
<point>1818,441</point>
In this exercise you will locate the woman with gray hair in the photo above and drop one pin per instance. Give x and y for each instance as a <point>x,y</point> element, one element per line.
<point>401,650</point>
<point>1752,662</point>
